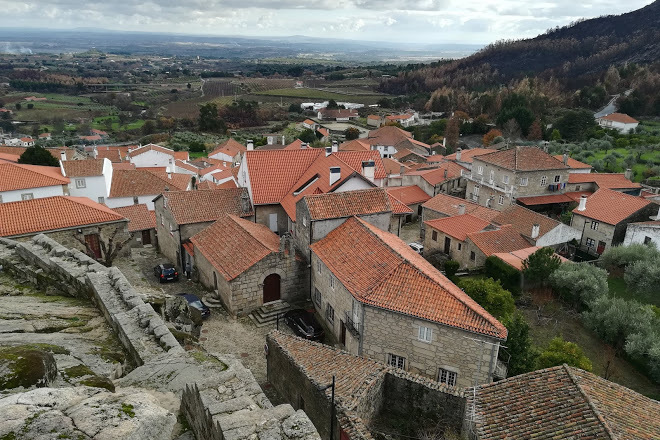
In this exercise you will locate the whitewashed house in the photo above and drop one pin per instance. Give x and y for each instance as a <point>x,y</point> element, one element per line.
<point>618,121</point>
<point>91,178</point>
<point>26,182</point>
<point>155,156</point>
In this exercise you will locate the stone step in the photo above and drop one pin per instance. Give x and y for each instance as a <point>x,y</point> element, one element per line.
<point>267,314</point>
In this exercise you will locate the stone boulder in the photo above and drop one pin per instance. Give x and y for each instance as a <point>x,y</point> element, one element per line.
<point>85,413</point>
<point>27,367</point>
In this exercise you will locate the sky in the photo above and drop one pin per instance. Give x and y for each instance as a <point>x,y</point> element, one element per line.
<point>403,21</point>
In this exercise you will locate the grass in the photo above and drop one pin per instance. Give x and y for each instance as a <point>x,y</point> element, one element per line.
<point>196,154</point>
<point>618,288</point>
<point>306,93</point>
<point>638,168</point>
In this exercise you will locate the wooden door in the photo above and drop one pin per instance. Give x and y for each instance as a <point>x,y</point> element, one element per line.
<point>92,241</point>
<point>447,245</point>
<point>601,247</point>
<point>146,237</point>
<point>271,288</point>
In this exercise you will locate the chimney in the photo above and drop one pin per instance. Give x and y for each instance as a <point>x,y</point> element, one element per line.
<point>245,202</point>
<point>583,203</point>
<point>63,156</point>
<point>402,170</point>
<point>565,159</point>
<point>461,209</point>
<point>169,173</point>
<point>304,145</point>
<point>628,174</point>
<point>283,140</point>
<point>445,173</point>
<point>536,229</point>
<point>328,151</point>
<point>545,147</point>
<point>444,142</point>
<point>335,174</point>
<point>335,146</point>
<point>458,155</point>
<point>657,217</point>
<point>250,145</point>
<point>369,169</point>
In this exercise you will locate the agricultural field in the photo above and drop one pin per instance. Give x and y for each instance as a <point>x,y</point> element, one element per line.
<point>638,168</point>
<point>316,94</point>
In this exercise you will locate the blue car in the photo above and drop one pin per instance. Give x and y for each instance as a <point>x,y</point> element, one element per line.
<point>196,303</point>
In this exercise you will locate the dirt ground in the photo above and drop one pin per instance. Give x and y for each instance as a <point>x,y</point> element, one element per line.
<point>410,232</point>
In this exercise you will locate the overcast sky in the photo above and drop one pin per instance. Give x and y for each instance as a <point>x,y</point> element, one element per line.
<point>424,21</point>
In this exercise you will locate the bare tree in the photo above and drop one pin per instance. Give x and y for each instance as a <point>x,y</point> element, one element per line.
<point>511,130</point>
<point>109,247</point>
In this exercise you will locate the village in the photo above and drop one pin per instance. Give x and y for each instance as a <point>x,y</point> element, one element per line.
<point>377,284</point>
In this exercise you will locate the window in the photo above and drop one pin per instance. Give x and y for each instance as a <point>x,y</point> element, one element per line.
<point>101,200</point>
<point>544,180</point>
<point>448,377</point>
<point>80,183</point>
<point>0,198</point>
<point>330,314</point>
<point>318,266</point>
<point>476,191</point>
<point>480,170</point>
<point>492,174</point>
<point>459,246</point>
<point>27,196</point>
<point>135,200</point>
<point>396,361</point>
<point>524,181</point>
<point>162,220</point>
<point>591,242</point>
<point>425,334</point>
<point>557,179</point>
<point>332,281</point>
<point>647,240</point>
<point>473,256</point>
<point>317,297</point>
<point>304,221</point>
<point>501,200</point>
<point>355,312</point>
<point>505,178</point>
<point>434,236</point>
<point>594,226</point>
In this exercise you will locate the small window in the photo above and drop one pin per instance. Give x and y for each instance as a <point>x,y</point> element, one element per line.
<point>425,334</point>
<point>480,170</point>
<point>332,281</point>
<point>501,200</point>
<point>505,178</point>
<point>524,181</point>
<point>476,191</point>
<point>27,196</point>
<point>473,256</point>
<point>557,179</point>
<point>330,314</point>
<point>135,200</point>
<point>447,377</point>
<point>577,187</point>
<point>304,221</point>
<point>647,240</point>
<point>317,297</point>
<point>492,174</point>
<point>594,226</point>
<point>318,266</point>
<point>396,361</point>
<point>162,220</point>
<point>591,242</point>
<point>544,180</point>
<point>460,246</point>
<point>101,200</point>
<point>434,236</point>
<point>80,183</point>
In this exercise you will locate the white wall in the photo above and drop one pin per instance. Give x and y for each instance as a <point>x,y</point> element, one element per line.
<point>352,184</point>
<point>37,193</point>
<point>244,179</point>
<point>222,156</point>
<point>152,158</point>
<point>95,187</point>
<point>637,233</point>
<point>118,202</point>
<point>558,235</point>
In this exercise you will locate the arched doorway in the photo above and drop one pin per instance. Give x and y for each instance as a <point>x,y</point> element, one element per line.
<point>271,288</point>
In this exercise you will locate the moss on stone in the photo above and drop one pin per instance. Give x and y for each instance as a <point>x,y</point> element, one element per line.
<point>26,367</point>
<point>99,382</point>
<point>127,409</point>
<point>55,349</point>
<point>9,436</point>
<point>202,357</point>
<point>78,371</point>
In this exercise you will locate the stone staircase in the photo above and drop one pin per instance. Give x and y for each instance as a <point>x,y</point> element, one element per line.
<point>267,314</point>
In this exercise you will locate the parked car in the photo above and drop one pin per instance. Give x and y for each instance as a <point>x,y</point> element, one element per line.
<point>195,302</point>
<point>166,272</point>
<point>417,247</point>
<point>304,324</point>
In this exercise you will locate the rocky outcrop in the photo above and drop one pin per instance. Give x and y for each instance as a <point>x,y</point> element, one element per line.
<point>25,366</point>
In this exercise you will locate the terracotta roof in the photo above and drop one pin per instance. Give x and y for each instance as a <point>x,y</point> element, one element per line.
<point>562,403</point>
<point>437,175</point>
<point>99,132</point>
<point>620,117</point>
<point>448,205</point>
<point>354,145</point>
<point>122,166</point>
<point>611,207</point>
<point>232,245</point>
<point>181,155</point>
<point>522,220</point>
<point>10,157</point>
<point>458,226</point>
<point>295,145</point>
<point>652,223</point>
<point>324,131</point>
<point>572,163</point>
<point>52,213</point>
<point>150,147</point>
<point>381,270</point>
<point>467,156</point>
<point>139,217</point>
<point>186,166</point>
<point>142,182</point>
<point>412,144</point>
<point>404,152</point>
<point>230,147</point>
<point>387,135</point>
<point>227,184</point>
<point>393,166</point>
<point>94,137</point>
<point>83,168</point>
<point>15,176</point>
<point>398,117</point>
<point>309,122</point>
<point>435,158</point>
<point>206,205</point>
<point>376,117</point>
<point>577,195</point>
<point>515,258</point>
<point>544,200</point>
<point>523,159</point>
<point>348,203</point>
<point>338,113</point>
<point>113,155</point>
<point>409,195</point>
<point>505,239</point>
<point>603,180</point>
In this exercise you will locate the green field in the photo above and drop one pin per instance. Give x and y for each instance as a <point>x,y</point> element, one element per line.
<point>638,168</point>
<point>619,289</point>
<point>317,94</point>
<point>100,124</point>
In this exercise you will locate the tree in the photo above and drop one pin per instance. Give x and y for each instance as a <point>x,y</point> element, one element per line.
<point>209,119</point>
<point>555,135</point>
<point>490,295</point>
<point>643,277</point>
<point>511,129</point>
<point>451,267</point>
<point>535,131</point>
<point>579,283</point>
<point>452,133</point>
<point>538,267</point>
<point>522,115</point>
<point>30,106</point>
<point>351,133</point>
<point>519,345</point>
<point>332,104</point>
<point>149,127</point>
<point>507,275</point>
<point>110,248</point>
<point>560,352</point>
<point>294,108</point>
<point>18,106</point>
<point>620,257</point>
<point>576,124</point>
<point>612,79</point>
<point>308,136</point>
<point>38,156</point>
<point>58,125</point>
<point>492,134</point>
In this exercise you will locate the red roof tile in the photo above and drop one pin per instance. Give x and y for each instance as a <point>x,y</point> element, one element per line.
<point>523,159</point>
<point>449,206</point>
<point>354,145</point>
<point>544,200</point>
<point>409,195</point>
<point>122,166</point>
<point>458,226</point>
<point>142,182</point>
<point>15,176</point>
<point>611,207</point>
<point>151,147</point>
<point>572,163</point>
<point>83,168</point>
<point>620,117</point>
<point>381,270</point>
<point>206,205</point>
<point>398,207</point>
<point>230,147</point>
<point>52,213</point>
<point>232,245</point>
<point>444,172</point>
<point>515,258</point>
<point>348,203</point>
<point>522,220</point>
<point>139,217</point>
<point>387,135</point>
<point>603,180</point>
<point>467,156</point>
<point>505,239</point>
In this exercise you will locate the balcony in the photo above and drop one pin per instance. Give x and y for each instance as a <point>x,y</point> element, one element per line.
<point>479,180</point>
<point>351,326</point>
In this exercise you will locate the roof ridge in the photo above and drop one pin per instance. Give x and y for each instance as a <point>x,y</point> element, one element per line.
<point>591,405</point>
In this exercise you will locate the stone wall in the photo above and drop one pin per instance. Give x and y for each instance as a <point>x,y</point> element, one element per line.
<point>262,216</point>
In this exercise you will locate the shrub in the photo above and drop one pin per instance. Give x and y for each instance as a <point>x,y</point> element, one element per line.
<point>540,265</point>
<point>623,256</point>
<point>645,346</point>
<point>560,352</point>
<point>519,345</point>
<point>643,277</point>
<point>505,274</point>
<point>579,284</point>
<point>451,267</point>
<point>490,295</point>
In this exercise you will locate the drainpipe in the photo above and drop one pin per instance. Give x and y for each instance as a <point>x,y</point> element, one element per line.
<point>493,360</point>
<point>361,332</point>
<point>309,264</point>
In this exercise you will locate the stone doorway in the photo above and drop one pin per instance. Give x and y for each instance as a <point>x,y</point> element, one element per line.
<point>272,288</point>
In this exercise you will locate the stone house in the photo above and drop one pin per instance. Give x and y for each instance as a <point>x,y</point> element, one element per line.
<point>481,245</point>
<point>412,196</point>
<point>375,121</point>
<point>182,214</point>
<point>382,300</point>
<point>25,182</point>
<point>447,178</point>
<point>247,265</point>
<point>63,218</point>
<point>498,178</point>
<point>317,215</point>
<point>141,224</point>
<point>448,235</point>
<point>592,182</point>
<point>91,178</point>
<point>400,214</point>
<point>465,158</point>
<point>643,232</point>
<point>604,217</point>
<point>538,229</point>
<point>141,186</point>
<point>444,205</point>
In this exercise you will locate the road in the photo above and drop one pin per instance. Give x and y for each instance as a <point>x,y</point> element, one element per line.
<point>611,106</point>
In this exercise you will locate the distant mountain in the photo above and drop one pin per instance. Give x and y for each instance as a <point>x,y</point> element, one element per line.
<point>579,50</point>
